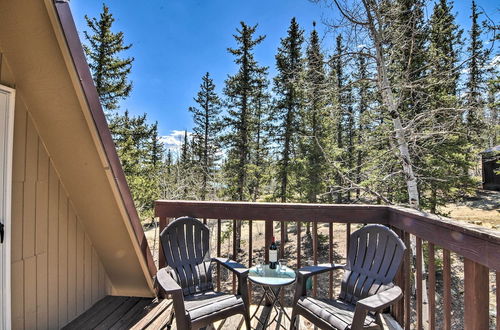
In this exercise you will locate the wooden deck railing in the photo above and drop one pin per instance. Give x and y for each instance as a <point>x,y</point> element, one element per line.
<point>437,241</point>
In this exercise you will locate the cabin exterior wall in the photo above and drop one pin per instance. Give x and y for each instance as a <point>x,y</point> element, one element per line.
<point>56,273</point>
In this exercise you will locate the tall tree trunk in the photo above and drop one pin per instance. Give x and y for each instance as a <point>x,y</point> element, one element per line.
<point>390,103</point>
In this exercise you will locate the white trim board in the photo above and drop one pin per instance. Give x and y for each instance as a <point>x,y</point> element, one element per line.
<point>6,147</point>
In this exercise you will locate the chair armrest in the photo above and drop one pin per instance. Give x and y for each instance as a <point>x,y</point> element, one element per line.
<point>241,272</point>
<point>167,283</point>
<point>305,272</point>
<point>308,271</point>
<point>374,303</point>
<point>232,265</point>
<point>381,300</point>
<point>169,288</point>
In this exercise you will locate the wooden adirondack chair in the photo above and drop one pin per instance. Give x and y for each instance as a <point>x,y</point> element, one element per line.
<point>375,253</point>
<point>188,277</point>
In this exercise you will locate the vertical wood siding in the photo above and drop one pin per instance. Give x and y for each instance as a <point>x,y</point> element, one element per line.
<point>56,273</point>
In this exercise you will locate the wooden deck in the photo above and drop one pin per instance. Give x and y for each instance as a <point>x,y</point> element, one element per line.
<point>114,312</point>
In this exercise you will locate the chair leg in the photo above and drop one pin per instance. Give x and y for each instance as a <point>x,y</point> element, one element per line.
<point>293,320</point>
<point>247,320</point>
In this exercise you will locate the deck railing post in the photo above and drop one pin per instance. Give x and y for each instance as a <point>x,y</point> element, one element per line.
<point>268,237</point>
<point>476,295</point>
<point>161,257</point>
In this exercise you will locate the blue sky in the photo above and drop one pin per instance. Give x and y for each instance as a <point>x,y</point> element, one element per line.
<point>176,41</point>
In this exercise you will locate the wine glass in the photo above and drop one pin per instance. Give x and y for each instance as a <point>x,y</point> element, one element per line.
<point>259,266</point>
<point>282,263</point>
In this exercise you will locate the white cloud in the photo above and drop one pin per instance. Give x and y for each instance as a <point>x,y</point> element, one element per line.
<point>174,140</point>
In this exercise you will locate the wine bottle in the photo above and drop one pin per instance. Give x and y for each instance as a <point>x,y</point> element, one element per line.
<point>273,255</point>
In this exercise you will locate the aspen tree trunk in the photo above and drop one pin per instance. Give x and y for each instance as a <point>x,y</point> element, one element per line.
<point>404,153</point>
<point>390,102</point>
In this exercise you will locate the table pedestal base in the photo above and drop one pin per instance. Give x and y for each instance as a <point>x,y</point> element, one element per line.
<point>273,295</point>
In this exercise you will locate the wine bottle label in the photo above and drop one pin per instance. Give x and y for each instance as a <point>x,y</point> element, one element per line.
<point>273,256</point>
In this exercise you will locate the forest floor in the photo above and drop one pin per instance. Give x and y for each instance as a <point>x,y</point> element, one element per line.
<point>482,210</point>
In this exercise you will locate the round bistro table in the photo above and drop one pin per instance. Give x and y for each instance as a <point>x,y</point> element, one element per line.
<point>272,281</point>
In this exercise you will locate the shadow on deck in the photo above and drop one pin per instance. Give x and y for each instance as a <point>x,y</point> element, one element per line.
<point>114,312</point>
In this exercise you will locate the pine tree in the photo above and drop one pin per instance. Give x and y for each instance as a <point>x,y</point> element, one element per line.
<point>289,99</point>
<point>408,53</point>
<point>445,39</point>
<point>365,93</point>
<point>206,129</point>
<point>314,130</point>
<point>157,149</point>
<point>109,69</point>
<point>441,162</point>
<point>476,77</point>
<point>138,152</point>
<point>339,97</point>
<point>185,150</point>
<point>493,105</point>
<point>240,91</point>
<point>260,129</point>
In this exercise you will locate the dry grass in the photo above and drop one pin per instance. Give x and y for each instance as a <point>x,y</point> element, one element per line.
<point>482,209</point>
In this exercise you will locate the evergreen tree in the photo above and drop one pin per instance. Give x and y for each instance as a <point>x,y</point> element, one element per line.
<point>443,59</point>
<point>185,150</point>
<point>157,150</point>
<point>407,46</point>
<point>365,93</point>
<point>314,114</point>
<point>493,106</point>
<point>289,98</point>
<point>240,90</point>
<point>259,163</point>
<point>206,129</point>
<point>339,97</point>
<point>109,69</point>
<point>441,162</point>
<point>476,79</point>
<point>139,152</point>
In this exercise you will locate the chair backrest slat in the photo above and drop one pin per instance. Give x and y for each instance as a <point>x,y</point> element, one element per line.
<point>375,254</point>
<point>186,246</point>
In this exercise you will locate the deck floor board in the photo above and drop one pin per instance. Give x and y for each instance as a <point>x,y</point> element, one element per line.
<point>147,313</point>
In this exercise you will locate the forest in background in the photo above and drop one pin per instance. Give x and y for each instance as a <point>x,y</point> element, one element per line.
<point>397,113</point>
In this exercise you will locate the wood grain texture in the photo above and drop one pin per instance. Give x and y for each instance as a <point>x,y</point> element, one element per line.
<point>80,266</point>
<point>476,293</point>
<point>30,293</point>
<point>268,237</point>
<point>497,277</point>
<point>218,251</point>
<point>235,251</point>
<point>53,249</point>
<point>474,242</point>
<point>161,257</point>
<point>446,290</point>
<point>315,256</point>
<point>330,259</point>
<point>432,286</point>
<point>299,244</point>
<point>419,306</point>
<point>88,272</point>
<point>63,257</point>
<point>31,171</point>
<point>273,211</point>
<point>72,287</point>
<point>471,241</point>
<point>407,288</point>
